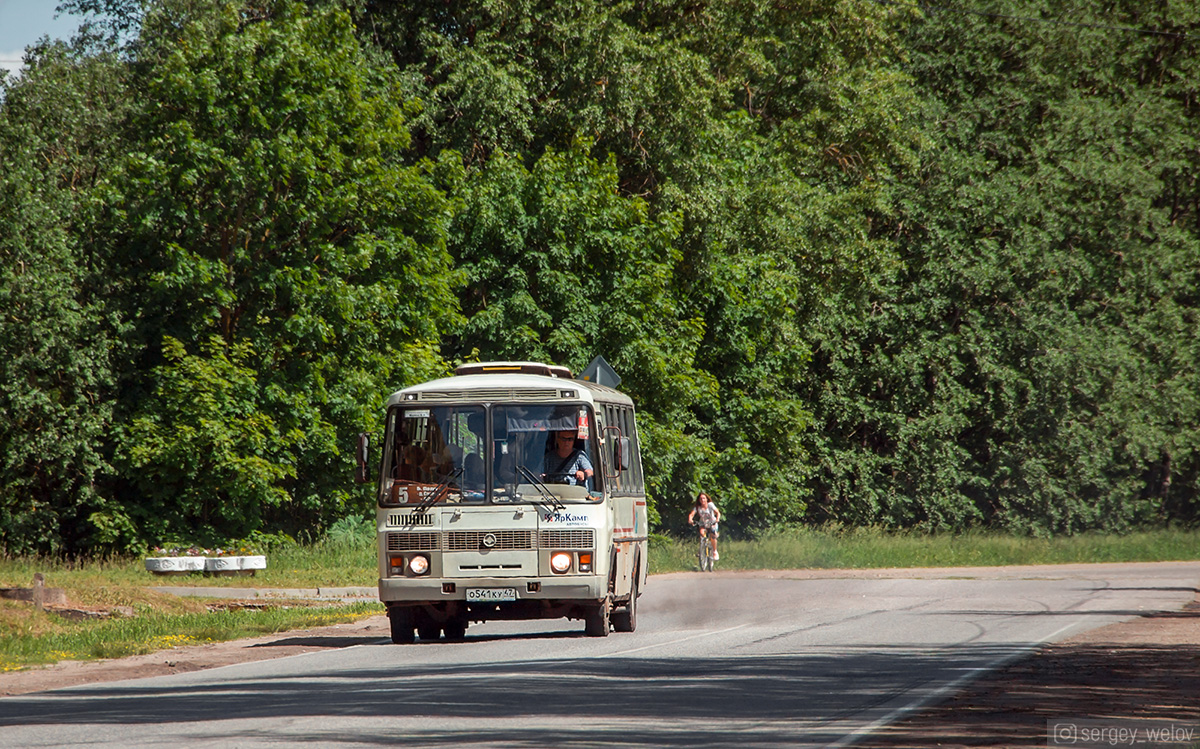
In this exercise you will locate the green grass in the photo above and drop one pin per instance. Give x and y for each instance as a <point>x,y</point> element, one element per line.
<point>29,637</point>
<point>294,566</point>
<point>875,549</point>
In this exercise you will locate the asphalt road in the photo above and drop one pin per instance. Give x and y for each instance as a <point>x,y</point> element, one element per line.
<point>800,659</point>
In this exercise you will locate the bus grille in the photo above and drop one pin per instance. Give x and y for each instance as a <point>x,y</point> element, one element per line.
<point>476,540</point>
<point>411,519</point>
<point>412,542</point>
<point>584,538</point>
<point>505,540</point>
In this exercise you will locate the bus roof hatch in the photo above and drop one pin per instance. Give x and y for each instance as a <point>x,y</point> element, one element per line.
<point>509,367</point>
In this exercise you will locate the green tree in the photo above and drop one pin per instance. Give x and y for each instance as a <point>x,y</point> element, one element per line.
<point>1032,366</point>
<point>560,267</point>
<point>58,127</point>
<point>767,132</point>
<point>208,465</point>
<point>269,201</point>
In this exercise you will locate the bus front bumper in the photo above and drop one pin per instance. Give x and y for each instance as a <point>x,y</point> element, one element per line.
<point>435,590</point>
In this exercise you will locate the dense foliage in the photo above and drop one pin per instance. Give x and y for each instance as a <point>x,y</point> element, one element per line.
<point>1033,364</point>
<point>856,262</point>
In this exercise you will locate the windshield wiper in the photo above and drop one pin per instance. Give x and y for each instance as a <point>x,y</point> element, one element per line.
<point>544,490</point>
<point>444,484</point>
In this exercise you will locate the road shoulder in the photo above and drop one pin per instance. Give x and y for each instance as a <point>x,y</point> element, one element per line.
<point>1140,670</point>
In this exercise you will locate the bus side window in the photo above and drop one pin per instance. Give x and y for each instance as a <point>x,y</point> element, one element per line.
<point>633,471</point>
<point>619,481</point>
<point>638,478</point>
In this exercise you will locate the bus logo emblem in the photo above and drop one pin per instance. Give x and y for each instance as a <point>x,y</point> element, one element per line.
<point>489,540</point>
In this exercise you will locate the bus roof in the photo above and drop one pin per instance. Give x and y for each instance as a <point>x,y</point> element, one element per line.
<point>507,386</point>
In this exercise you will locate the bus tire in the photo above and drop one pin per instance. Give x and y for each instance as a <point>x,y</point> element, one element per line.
<point>596,622</point>
<point>625,620</point>
<point>401,620</point>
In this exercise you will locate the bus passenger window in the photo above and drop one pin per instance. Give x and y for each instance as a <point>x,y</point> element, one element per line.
<point>439,445</point>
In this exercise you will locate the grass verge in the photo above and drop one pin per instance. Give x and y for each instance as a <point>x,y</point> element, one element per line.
<point>876,549</point>
<point>29,637</point>
<point>294,566</point>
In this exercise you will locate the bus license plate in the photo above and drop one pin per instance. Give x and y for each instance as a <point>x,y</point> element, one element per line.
<point>491,595</point>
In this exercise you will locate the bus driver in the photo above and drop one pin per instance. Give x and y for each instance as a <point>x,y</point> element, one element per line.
<point>567,464</point>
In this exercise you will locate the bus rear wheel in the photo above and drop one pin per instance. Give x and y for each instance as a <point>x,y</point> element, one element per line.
<point>625,620</point>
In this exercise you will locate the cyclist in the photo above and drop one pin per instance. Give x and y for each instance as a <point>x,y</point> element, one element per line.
<point>705,514</point>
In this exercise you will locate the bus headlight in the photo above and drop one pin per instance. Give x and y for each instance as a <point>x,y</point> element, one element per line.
<point>560,562</point>
<point>418,565</point>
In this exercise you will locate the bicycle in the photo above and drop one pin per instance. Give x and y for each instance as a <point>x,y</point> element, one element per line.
<point>705,553</point>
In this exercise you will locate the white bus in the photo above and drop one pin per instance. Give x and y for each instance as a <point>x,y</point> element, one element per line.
<point>509,491</point>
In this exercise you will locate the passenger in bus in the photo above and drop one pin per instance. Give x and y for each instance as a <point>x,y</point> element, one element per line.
<point>411,467</point>
<point>567,462</point>
<point>446,461</point>
<point>473,472</point>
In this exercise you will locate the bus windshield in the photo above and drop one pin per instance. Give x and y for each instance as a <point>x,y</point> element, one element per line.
<point>499,453</point>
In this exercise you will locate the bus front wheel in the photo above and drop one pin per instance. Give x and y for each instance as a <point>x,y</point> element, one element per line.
<point>596,622</point>
<point>403,628</point>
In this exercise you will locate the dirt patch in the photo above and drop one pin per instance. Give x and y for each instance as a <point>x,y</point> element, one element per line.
<point>1134,673</point>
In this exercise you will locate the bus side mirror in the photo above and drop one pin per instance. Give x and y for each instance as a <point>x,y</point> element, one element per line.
<point>363,454</point>
<point>621,454</point>
<point>616,464</point>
